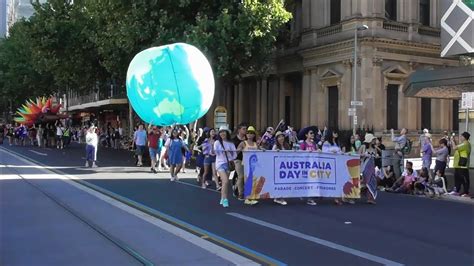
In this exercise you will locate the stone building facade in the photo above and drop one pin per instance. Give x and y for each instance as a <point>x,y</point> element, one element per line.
<point>311,80</point>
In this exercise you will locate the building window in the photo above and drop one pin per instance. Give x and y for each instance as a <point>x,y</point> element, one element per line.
<point>335,11</point>
<point>426,113</point>
<point>391,9</point>
<point>455,115</point>
<point>392,106</point>
<point>425,12</point>
<point>333,107</point>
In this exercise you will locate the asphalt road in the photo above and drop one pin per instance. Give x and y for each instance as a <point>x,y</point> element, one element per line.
<point>399,229</point>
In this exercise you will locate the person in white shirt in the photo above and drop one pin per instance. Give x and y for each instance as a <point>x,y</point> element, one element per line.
<point>91,146</point>
<point>225,155</point>
<point>59,135</point>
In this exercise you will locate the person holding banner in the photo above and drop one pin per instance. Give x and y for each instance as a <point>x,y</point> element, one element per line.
<point>281,144</point>
<point>225,155</point>
<point>249,144</point>
<point>331,145</point>
<point>309,145</point>
<point>239,168</point>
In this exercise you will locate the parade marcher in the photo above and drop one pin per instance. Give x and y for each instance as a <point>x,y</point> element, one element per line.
<point>309,145</point>
<point>249,144</point>
<point>462,153</point>
<point>225,156</point>
<point>209,158</point>
<point>92,141</point>
<point>66,136</point>
<point>331,145</point>
<point>239,168</point>
<point>32,135</point>
<point>164,156</point>
<point>368,151</point>
<point>10,134</point>
<point>442,156</point>
<point>39,135</point>
<point>153,139</point>
<point>268,140</point>
<point>281,145</point>
<point>185,139</point>
<point>139,139</point>
<point>174,146</point>
<point>59,135</point>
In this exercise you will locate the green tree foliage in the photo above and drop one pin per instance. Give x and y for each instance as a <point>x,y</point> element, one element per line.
<point>79,44</point>
<point>237,36</point>
<point>60,35</point>
<point>19,80</point>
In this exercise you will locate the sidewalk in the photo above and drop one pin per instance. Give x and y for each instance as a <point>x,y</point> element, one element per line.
<point>49,221</point>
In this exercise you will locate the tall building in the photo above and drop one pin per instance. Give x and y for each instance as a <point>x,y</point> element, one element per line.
<point>3,18</point>
<point>19,9</point>
<point>312,79</point>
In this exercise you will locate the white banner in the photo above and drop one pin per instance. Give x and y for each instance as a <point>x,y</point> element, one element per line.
<point>287,174</point>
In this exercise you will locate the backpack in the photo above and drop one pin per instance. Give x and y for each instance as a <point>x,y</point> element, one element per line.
<point>407,148</point>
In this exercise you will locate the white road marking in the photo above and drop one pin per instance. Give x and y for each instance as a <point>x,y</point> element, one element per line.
<point>39,153</point>
<point>316,240</point>
<point>202,243</point>
<point>187,184</point>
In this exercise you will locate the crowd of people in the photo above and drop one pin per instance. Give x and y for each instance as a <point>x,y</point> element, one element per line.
<point>218,153</point>
<point>58,135</point>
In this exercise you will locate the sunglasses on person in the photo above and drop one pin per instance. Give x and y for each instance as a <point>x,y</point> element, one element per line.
<point>311,133</point>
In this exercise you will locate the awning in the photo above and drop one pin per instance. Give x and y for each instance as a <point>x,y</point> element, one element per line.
<point>445,83</point>
<point>109,103</point>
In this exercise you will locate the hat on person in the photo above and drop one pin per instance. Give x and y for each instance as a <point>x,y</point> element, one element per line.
<point>251,129</point>
<point>224,128</point>
<point>368,138</point>
<point>279,133</point>
<point>426,131</point>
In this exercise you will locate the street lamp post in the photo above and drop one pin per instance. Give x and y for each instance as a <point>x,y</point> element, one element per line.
<point>354,76</point>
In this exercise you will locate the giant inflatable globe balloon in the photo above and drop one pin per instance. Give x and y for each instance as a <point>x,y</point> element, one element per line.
<point>170,84</point>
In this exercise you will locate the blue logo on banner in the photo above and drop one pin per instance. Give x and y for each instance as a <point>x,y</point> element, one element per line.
<point>304,170</point>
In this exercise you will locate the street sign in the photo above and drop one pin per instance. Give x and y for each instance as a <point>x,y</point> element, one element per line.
<point>352,111</point>
<point>355,120</point>
<point>467,100</point>
<point>357,103</point>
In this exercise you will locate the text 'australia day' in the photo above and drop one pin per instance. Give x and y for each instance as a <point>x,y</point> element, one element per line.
<point>305,169</point>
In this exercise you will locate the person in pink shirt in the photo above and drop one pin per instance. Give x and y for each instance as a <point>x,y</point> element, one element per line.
<point>309,145</point>
<point>408,181</point>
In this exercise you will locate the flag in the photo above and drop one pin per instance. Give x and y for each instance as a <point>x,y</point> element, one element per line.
<point>368,175</point>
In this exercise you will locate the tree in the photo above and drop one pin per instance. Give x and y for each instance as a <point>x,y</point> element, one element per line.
<point>237,36</point>
<point>60,34</point>
<point>19,80</point>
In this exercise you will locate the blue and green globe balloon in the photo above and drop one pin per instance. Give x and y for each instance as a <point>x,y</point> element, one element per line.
<point>170,84</point>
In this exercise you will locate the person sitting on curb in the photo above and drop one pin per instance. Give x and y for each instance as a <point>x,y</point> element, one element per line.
<point>407,185</point>
<point>399,182</point>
